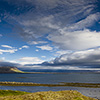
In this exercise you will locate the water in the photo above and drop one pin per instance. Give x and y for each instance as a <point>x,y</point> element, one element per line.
<point>51,78</point>
<point>54,79</point>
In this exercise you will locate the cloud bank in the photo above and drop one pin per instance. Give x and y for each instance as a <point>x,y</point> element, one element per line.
<point>77,40</point>
<point>86,58</point>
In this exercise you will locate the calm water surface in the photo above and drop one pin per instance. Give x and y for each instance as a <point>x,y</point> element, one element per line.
<point>51,78</point>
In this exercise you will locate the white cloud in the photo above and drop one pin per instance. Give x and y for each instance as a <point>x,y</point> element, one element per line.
<point>25,46</point>
<point>76,36</point>
<point>1,52</point>
<point>43,56</point>
<point>85,23</point>
<point>29,60</point>
<point>11,61</point>
<point>0,35</point>
<point>11,49</point>
<point>7,46</point>
<point>8,51</point>
<point>45,47</point>
<point>47,3</point>
<point>2,59</point>
<point>61,68</point>
<point>77,68</point>
<point>61,52</point>
<point>37,42</point>
<point>77,40</point>
<point>36,50</point>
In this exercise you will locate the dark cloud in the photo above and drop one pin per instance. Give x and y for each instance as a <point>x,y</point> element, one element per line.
<point>87,58</point>
<point>8,64</point>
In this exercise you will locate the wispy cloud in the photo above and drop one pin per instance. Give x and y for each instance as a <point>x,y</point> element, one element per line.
<point>25,46</point>
<point>85,23</point>
<point>0,35</point>
<point>42,17</point>
<point>43,56</point>
<point>61,52</point>
<point>45,47</point>
<point>29,60</point>
<point>37,42</point>
<point>8,51</point>
<point>7,46</point>
<point>36,50</point>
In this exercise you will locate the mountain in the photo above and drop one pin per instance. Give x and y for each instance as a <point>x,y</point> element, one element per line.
<point>10,70</point>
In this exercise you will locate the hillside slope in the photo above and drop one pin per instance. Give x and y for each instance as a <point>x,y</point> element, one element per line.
<point>10,70</point>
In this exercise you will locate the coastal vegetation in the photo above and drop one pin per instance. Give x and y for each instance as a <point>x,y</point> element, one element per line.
<point>87,85</point>
<point>49,95</point>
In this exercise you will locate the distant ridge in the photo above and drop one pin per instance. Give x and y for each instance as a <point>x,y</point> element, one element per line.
<point>10,70</point>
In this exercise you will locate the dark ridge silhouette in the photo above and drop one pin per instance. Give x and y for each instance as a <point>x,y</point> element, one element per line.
<point>8,69</point>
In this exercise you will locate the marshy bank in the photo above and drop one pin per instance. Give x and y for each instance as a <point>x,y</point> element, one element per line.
<point>86,85</point>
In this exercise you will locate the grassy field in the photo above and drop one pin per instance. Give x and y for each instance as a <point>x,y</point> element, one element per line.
<point>50,95</point>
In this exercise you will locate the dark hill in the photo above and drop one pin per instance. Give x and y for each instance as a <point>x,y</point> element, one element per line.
<point>9,70</point>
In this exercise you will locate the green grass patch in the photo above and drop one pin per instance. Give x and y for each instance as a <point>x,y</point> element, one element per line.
<point>11,92</point>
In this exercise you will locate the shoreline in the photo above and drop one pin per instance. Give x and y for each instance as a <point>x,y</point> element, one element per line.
<point>24,72</point>
<point>86,85</point>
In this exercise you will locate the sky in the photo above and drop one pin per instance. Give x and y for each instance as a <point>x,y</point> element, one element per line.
<point>50,34</point>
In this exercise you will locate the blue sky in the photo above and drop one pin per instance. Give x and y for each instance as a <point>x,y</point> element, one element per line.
<point>65,34</point>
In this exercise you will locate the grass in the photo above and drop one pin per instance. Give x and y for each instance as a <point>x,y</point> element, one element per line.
<point>16,70</point>
<point>87,85</point>
<point>11,93</point>
<point>49,95</point>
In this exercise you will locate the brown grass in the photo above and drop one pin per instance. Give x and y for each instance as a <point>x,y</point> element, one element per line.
<point>50,95</point>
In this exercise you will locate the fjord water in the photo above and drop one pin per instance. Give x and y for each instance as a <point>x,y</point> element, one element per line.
<point>53,79</point>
